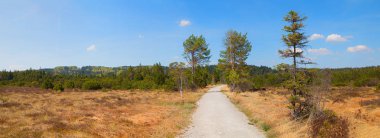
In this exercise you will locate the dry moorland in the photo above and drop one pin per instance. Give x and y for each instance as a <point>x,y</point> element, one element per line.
<point>95,114</point>
<point>268,110</point>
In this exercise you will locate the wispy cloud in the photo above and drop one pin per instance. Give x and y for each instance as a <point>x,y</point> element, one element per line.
<point>184,23</point>
<point>91,48</point>
<point>320,51</point>
<point>358,48</point>
<point>17,67</point>
<point>336,38</point>
<point>316,37</point>
<point>299,50</point>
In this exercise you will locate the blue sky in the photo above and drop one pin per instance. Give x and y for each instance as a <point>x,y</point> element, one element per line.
<point>48,33</point>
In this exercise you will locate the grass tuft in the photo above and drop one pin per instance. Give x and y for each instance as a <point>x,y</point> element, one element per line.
<point>265,127</point>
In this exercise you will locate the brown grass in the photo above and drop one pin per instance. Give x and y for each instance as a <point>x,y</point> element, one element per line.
<point>95,114</point>
<point>359,105</point>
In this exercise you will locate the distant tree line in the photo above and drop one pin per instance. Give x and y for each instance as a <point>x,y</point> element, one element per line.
<point>162,77</point>
<point>95,78</point>
<point>129,77</point>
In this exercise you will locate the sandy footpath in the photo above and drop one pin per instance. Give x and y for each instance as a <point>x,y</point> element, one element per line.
<point>217,117</point>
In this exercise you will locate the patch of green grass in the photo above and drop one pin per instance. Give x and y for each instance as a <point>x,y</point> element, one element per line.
<point>265,127</point>
<point>188,106</point>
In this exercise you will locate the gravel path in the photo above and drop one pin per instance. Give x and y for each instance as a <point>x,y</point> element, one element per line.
<point>217,117</point>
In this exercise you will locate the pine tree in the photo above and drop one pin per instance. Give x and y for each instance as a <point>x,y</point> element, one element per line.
<point>232,59</point>
<point>196,52</point>
<point>295,40</point>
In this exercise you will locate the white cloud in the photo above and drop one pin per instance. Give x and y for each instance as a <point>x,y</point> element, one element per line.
<point>184,23</point>
<point>358,48</point>
<point>298,50</point>
<point>91,48</point>
<point>316,37</point>
<point>336,38</point>
<point>320,51</point>
<point>17,67</point>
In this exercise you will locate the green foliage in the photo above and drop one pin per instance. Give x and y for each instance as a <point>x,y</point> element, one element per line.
<point>91,85</point>
<point>233,77</point>
<point>47,84</point>
<point>265,127</point>
<point>58,87</point>
<point>161,77</point>
<point>69,84</point>
<point>202,77</point>
<point>177,75</point>
<point>295,39</point>
<point>158,74</point>
<point>378,87</point>
<point>197,53</point>
<point>368,76</point>
<point>232,60</point>
<point>144,85</point>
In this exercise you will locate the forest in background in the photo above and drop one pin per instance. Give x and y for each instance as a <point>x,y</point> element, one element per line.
<point>161,77</point>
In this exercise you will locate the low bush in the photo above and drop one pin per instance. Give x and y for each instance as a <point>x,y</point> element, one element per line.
<point>58,87</point>
<point>91,85</point>
<point>47,85</point>
<point>144,85</point>
<point>378,87</point>
<point>327,124</point>
<point>366,82</point>
<point>69,84</point>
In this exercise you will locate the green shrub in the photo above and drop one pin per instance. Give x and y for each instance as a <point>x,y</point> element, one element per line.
<point>170,86</point>
<point>91,85</point>
<point>378,87</point>
<point>125,85</point>
<point>339,84</point>
<point>107,84</point>
<point>361,82</point>
<point>20,83</point>
<point>265,127</point>
<point>47,85</point>
<point>144,85</point>
<point>69,84</point>
<point>59,87</point>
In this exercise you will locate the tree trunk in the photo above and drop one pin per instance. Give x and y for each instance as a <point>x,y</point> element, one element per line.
<point>192,68</point>
<point>232,62</point>
<point>294,77</point>
<point>180,87</point>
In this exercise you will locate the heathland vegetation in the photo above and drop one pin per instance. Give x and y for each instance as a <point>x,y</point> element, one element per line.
<point>307,91</point>
<point>162,77</point>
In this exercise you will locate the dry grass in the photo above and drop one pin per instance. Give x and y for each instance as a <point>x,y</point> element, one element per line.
<point>362,108</point>
<point>359,105</point>
<point>270,109</point>
<point>95,114</point>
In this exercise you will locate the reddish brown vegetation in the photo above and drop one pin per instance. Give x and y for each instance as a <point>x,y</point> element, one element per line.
<point>94,114</point>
